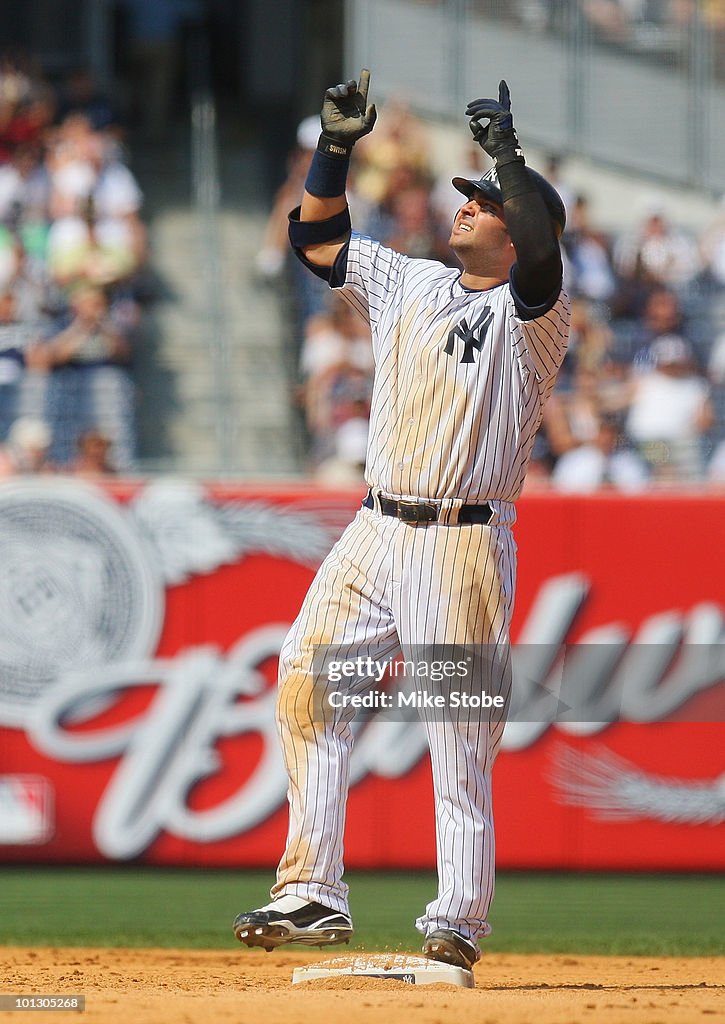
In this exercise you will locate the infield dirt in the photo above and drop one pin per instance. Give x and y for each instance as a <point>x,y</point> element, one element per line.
<point>151,986</point>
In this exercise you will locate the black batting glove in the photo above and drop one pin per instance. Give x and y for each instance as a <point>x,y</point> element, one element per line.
<point>345,116</point>
<point>498,138</point>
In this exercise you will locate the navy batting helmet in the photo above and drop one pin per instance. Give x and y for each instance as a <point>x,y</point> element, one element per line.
<point>489,185</point>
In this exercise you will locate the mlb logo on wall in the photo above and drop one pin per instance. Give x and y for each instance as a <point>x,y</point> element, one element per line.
<point>26,809</point>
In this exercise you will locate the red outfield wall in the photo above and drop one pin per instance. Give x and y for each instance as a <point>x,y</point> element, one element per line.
<point>138,643</point>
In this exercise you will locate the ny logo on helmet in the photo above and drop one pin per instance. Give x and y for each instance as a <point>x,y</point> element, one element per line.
<point>468,335</point>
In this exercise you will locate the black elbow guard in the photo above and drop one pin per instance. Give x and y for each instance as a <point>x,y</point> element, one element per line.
<point>316,232</point>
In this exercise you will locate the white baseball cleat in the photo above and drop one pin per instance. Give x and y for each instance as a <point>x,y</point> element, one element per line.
<point>310,925</point>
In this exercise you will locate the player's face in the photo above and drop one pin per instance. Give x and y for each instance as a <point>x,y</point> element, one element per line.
<point>478,225</point>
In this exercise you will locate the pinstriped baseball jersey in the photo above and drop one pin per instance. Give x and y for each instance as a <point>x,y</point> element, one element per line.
<point>460,377</point>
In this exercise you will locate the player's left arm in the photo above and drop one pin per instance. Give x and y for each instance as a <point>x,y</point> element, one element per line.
<point>536,276</point>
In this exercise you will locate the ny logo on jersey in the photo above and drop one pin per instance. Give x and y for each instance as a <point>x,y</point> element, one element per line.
<point>468,335</point>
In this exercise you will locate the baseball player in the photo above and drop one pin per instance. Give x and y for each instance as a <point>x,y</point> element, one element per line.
<point>464,363</point>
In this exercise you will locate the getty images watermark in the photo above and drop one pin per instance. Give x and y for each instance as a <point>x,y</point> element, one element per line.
<point>427,693</point>
<point>435,681</point>
<point>581,684</point>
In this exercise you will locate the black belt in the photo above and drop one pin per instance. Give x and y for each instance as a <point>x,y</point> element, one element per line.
<point>427,512</point>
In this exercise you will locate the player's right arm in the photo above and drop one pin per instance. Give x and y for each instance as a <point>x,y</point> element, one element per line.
<point>320,226</point>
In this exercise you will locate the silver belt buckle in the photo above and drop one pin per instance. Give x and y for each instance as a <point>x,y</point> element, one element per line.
<point>414,515</point>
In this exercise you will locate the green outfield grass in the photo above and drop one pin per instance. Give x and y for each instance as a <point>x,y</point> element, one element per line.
<point>630,914</point>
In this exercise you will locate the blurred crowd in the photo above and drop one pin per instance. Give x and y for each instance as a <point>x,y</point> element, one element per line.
<point>639,403</point>
<point>656,28</point>
<point>72,276</point>
<point>640,400</point>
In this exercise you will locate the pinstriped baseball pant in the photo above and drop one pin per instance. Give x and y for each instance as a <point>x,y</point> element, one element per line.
<point>387,586</point>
